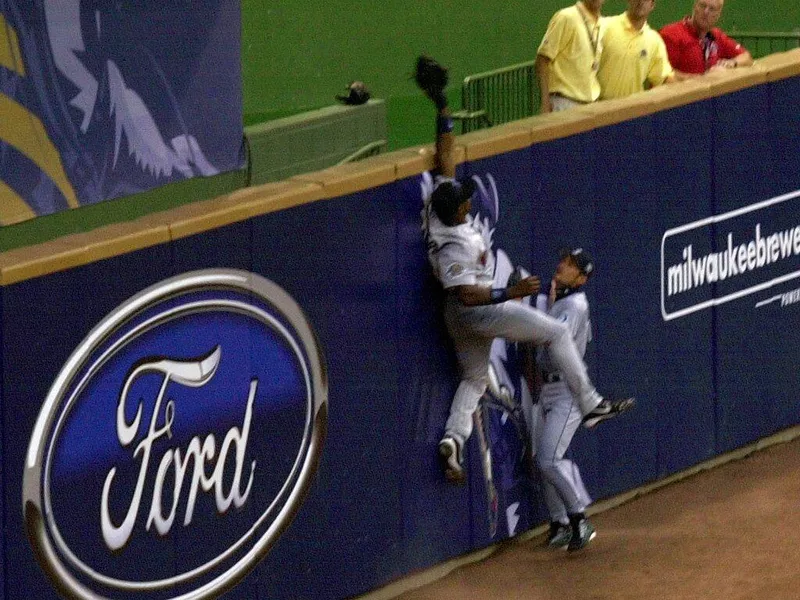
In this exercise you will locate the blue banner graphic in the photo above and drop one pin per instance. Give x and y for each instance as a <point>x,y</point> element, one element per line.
<point>119,377</point>
<point>196,412</point>
<point>102,99</point>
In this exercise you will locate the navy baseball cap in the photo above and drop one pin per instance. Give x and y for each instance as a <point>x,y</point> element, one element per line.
<point>449,195</point>
<point>582,259</point>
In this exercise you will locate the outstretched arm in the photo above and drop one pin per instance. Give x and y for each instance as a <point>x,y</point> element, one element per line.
<point>745,59</point>
<point>445,159</point>
<point>431,77</point>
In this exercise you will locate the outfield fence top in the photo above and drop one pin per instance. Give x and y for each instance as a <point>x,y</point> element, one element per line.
<point>78,249</point>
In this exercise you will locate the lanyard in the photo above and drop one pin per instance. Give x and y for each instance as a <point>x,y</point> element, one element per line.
<point>594,36</point>
<point>707,44</point>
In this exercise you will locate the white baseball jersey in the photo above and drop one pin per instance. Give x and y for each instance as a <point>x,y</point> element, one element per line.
<point>459,255</point>
<point>574,311</point>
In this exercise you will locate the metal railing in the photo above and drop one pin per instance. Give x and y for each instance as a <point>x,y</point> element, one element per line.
<point>498,96</point>
<point>503,95</point>
<point>762,43</point>
<point>371,149</point>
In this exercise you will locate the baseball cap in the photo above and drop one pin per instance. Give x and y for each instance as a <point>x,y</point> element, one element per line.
<point>449,195</point>
<point>582,259</point>
<point>356,93</point>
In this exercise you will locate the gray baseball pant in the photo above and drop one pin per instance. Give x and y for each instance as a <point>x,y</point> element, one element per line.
<point>474,327</point>
<point>560,417</point>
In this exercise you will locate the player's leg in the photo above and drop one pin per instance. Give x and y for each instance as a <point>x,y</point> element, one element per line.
<point>519,322</point>
<point>472,351</point>
<point>562,419</point>
<point>555,506</point>
<point>565,495</point>
<point>473,360</point>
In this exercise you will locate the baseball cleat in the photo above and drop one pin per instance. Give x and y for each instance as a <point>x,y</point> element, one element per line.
<point>582,534</point>
<point>607,409</point>
<point>450,456</point>
<point>559,537</point>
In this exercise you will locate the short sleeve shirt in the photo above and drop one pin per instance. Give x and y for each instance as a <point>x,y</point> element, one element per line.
<point>630,57</point>
<point>573,310</point>
<point>463,258</point>
<point>573,43</point>
<point>460,254</point>
<point>690,54</point>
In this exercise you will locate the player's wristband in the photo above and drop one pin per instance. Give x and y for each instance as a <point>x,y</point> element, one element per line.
<point>498,295</point>
<point>444,124</point>
<point>439,99</point>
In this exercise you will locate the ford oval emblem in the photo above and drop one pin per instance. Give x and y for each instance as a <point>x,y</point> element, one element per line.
<point>178,441</point>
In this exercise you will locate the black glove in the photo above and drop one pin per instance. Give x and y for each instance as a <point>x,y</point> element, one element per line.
<point>431,77</point>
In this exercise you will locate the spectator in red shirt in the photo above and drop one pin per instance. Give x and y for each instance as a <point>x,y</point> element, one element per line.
<point>694,45</point>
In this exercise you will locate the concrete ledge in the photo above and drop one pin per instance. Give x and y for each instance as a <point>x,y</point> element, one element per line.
<point>497,140</point>
<point>409,161</point>
<point>122,238</point>
<point>726,81</point>
<point>350,178</point>
<point>611,112</point>
<point>782,65</point>
<point>554,126</point>
<point>678,94</point>
<point>34,261</point>
<point>426,154</point>
<point>243,204</point>
<point>159,228</point>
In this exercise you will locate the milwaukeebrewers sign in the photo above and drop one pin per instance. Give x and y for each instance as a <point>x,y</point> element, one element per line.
<point>729,256</point>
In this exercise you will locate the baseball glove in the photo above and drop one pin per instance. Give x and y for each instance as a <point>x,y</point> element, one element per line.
<point>357,93</point>
<point>431,77</point>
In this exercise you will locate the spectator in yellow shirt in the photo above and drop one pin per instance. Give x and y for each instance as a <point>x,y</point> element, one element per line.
<point>634,55</point>
<point>569,56</point>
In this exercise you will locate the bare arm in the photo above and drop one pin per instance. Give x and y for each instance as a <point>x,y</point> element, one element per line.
<point>431,77</point>
<point>474,295</point>
<point>745,59</point>
<point>542,67</point>
<point>445,159</point>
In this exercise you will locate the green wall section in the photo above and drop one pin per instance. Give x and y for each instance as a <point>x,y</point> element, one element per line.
<point>86,218</point>
<point>298,55</point>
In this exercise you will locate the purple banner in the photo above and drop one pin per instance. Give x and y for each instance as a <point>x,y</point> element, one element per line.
<point>100,99</point>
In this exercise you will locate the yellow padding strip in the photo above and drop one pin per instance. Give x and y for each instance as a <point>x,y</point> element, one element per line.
<point>10,56</point>
<point>24,131</point>
<point>13,208</point>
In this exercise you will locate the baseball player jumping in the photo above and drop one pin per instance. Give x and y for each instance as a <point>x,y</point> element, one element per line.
<point>476,313</point>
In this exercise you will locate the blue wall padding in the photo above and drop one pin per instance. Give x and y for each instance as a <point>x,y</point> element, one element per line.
<point>708,381</point>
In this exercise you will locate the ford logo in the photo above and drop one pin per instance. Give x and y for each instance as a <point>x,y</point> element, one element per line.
<point>178,441</point>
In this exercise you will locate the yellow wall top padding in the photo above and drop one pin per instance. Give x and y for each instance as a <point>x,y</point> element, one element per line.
<point>105,242</point>
<point>503,138</point>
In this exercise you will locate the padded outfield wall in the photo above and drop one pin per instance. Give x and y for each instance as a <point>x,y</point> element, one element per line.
<point>246,393</point>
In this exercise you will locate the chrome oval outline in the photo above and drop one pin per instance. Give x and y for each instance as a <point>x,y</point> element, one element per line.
<point>156,321</point>
<point>316,424</point>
